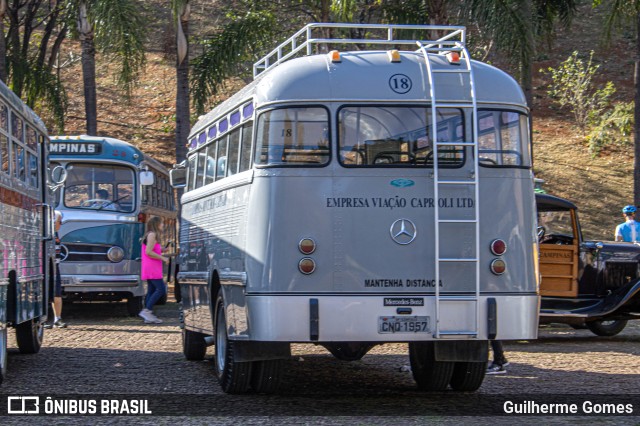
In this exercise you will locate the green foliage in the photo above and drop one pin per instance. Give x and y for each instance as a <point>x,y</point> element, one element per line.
<point>614,127</point>
<point>230,53</point>
<point>572,87</point>
<point>121,33</point>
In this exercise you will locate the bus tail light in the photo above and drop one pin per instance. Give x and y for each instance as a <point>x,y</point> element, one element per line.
<point>115,254</point>
<point>498,266</point>
<point>142,218</point>
<point>307,265</point>
<point>498,247</point>
<point>307,246</point>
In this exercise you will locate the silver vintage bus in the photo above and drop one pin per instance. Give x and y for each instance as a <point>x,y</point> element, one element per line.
<point>26,228</point>
<point>353,198</point>
<point>111,189</point>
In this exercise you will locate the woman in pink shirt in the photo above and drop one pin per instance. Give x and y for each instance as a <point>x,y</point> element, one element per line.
<point>151,269</point>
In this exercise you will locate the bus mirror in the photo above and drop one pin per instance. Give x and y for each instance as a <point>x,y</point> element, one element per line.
<point>146,178</point>
<point>178,177</point>
<point>58,175</point>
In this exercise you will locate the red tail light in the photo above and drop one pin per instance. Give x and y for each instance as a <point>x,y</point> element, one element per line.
<point>307,246</point>
<point>307,265</point>
<point>142,218</point>
<point>498,247</point>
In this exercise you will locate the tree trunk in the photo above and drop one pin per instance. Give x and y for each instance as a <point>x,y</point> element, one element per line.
<point>3,43</point>
<point>636,116</point>
<point>183,116</point>
<point>88,70</point>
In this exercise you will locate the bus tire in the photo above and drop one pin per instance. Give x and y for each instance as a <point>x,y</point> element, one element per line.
<point>194,347</point>
<point>3,354</point>
<point>266,376</point>
<point>29,336</point>
<point>429,374</point>
<point>348,351</point>
<point>233,376</point>
<point>468,376</point>
<point>606,327</point>
<point>134,305</point>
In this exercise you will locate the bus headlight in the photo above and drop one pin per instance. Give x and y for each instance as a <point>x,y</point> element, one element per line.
<point>115,254</point>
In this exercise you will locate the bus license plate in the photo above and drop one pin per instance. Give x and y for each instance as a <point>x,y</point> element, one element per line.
<point>403,324</point>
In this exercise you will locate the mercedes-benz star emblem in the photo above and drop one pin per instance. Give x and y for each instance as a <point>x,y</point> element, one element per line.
<point>403,231</point>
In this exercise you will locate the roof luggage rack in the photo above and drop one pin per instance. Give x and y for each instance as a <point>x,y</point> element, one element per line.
<point>447,39</point>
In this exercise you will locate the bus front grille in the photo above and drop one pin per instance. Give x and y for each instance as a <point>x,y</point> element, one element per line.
<point>87,253</point>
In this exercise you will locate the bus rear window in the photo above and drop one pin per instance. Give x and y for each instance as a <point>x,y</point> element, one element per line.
<point>398,136</point>
<point>293,136</point>
<point>503,139</point>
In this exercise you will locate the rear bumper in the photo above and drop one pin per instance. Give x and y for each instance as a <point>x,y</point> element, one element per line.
<point>103,284</point>
<point>353,318</point>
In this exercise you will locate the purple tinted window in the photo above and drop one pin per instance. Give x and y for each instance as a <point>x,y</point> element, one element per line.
<point>202,137</point>
<point>247,111</point>
<point>213,131</point>
<point>235,118</point>
<point>193,143</point>
<point>223,125</point>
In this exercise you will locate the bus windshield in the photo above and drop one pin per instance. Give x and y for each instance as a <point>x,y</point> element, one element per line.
<point>99,187</point>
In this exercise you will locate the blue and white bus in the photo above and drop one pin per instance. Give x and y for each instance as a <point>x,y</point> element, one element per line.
<point>111,190</point>
<point>353,198</point>
<point>26,229</point>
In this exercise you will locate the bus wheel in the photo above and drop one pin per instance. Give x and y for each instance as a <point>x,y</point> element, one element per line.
<point>194,347</point>
<point>233,376</point>
<point>429,374</point>
<point>266,376</point>
<point>29,336</point>
<point>134,305</point>
<point>3,353</point>
<point>607,328</point>
<point>468,376</point>
<point>348,351</point>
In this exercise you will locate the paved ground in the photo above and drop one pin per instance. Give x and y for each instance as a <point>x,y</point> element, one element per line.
<point>103,352</point>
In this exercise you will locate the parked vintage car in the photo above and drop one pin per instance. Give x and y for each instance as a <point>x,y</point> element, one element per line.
<point>592,284</point>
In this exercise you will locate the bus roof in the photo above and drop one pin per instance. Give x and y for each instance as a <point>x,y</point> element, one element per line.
<point>22,107</point>
<point>83,147</point>
<point>365,76</point>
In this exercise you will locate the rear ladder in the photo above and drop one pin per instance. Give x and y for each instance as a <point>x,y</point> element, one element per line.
<point>450,304</point>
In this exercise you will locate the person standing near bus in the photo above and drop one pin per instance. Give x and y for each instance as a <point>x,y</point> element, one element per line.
<point>151,269</point>
<point>56,302</point>
<point>628,231</point>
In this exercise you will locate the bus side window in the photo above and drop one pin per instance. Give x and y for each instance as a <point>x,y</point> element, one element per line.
<point>19,162</point>
<point>192,172</point>
<point>4,151</point>
<point>33,170</point>
<point>234,152</point>
<point>245,150</point>
<point>210,171</point>
<point>222,158</point>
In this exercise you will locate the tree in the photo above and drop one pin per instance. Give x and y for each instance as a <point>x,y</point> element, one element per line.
<point>120,35</point>
<point>181,13</point>
<point>621,13</point>
<point>517,26</point>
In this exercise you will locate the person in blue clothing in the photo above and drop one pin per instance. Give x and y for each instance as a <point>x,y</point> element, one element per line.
<point>629,231</point>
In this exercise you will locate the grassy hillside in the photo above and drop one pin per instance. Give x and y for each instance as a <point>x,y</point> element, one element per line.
<point>599,186</point>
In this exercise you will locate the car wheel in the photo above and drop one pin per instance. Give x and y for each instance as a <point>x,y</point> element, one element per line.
<point>468,376</point>
<point>429,374</point>
<point>29,335</point>
<point>233,376</point>
<point>134,305</point>
<point>607,328</point>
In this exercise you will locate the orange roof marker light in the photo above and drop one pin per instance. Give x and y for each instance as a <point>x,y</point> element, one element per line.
<point>453,58</point>
<point>394,55</point>
<point>334,55</point>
